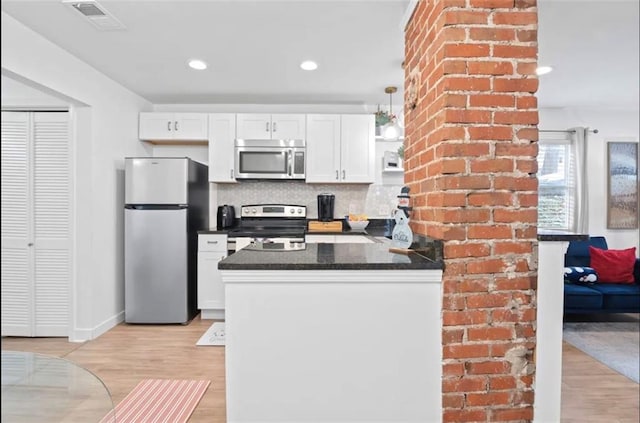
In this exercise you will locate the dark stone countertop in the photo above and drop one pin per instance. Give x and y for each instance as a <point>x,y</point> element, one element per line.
<point>551,235</point>
<point>373,256</point>
<point>376,228</point>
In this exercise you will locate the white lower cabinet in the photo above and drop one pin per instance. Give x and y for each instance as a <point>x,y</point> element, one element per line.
<point>211,249</point>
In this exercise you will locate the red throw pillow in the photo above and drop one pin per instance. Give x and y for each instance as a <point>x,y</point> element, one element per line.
<point>613,266</point>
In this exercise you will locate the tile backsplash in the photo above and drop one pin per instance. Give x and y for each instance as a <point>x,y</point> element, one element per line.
<point>376,201</point>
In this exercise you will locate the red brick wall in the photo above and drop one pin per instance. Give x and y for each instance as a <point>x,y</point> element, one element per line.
<point>470,152</point>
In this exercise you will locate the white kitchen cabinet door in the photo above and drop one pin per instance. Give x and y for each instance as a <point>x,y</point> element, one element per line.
<point>357,148</point>
<point>211,249</point>
<point>173,126</point>
<point>323,149</point>
<point>36,222</point>
<point>155,126</point>
<point>222,134</point>
<point>288,127</point>
<point>190,126</point>
<point>253,126</point>
<point>346,156</point>
<point>266,126</point>
<point>210,287</point>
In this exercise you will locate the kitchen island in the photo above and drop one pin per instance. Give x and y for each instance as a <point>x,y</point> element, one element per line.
<point>333,333</point>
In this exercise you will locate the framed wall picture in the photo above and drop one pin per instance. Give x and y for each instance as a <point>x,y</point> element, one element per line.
<point>622,185</point>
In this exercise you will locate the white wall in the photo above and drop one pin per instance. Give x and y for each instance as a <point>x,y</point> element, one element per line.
<point>105,124</point>
<point>612,125</point>
<point>18,95</point>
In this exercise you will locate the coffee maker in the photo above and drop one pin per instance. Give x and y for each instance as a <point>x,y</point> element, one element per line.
<point>326,204</point>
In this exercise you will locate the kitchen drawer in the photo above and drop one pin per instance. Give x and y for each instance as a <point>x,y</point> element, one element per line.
<point>212,242</point>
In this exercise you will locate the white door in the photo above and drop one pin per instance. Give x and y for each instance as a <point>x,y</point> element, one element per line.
<point>323,148</point>
<point>288,127</point>
<point>210,286</point>
<point>222,133</point>
<point>358,149</point>
<point>17,295</point>
<point>36,220</point>
<point>155,126</point>
<point>190,126</point>
<point>254,126</point>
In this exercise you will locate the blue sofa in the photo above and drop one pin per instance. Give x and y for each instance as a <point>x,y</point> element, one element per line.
<point>598,298</point>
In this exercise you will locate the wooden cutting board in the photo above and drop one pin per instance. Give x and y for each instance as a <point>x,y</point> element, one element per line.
<point>317,226</point>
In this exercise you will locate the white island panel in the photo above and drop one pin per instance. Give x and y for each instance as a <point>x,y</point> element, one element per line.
<point>333,346</point>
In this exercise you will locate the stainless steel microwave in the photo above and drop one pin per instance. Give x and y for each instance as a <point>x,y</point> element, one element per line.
<point>270,159</point>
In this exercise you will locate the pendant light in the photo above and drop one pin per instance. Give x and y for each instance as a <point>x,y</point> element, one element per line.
<point>391,131</point>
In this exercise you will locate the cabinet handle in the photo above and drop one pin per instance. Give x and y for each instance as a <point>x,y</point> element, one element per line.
<point>169,126</point>
<point>30,244</point>
<point>212,242</point>
<point>267,128</point>
<point>274,127</point>
<point>344,174</point>
<point>231,172</point>
<point>175,125</point>
<point>337,175</point>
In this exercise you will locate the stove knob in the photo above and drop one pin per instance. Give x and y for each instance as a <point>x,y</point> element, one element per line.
<point>253,211</point>
<point>292,211</point>
<point>299,211</point>
<point>245,210</point>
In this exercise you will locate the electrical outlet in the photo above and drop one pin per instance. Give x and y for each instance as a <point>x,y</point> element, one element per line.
<point>384,210</point>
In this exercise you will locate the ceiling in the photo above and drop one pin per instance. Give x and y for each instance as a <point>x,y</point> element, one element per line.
<point>254,49</point>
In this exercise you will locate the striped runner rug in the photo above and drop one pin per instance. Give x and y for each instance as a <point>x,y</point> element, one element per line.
<point>159,401</point>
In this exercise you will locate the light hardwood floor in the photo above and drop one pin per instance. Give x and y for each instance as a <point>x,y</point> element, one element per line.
<point>591,392</point>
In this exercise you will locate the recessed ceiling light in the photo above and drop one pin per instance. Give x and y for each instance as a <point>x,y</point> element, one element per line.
<point>542,70</point>
<point>197,64</point>
<point>309,65</point>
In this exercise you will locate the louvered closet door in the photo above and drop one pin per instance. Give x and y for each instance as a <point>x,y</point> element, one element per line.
<point>51,221</point>
<point>37,274</point>
<point>17,294</point>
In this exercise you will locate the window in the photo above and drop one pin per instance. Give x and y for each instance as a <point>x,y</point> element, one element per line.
<point>557,182</point>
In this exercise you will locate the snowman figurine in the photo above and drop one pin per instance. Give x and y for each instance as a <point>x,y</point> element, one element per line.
<point>402,237</point>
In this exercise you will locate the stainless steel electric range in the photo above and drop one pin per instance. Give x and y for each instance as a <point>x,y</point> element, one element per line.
<point>269,224</point>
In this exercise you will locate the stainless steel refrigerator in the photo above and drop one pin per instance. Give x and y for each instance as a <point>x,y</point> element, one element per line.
<point>166,204</point>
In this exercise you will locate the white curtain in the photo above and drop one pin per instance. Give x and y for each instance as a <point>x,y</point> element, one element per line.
<point>580,144</point>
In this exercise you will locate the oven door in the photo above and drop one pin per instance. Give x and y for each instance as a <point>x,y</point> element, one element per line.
<point>271,160</point>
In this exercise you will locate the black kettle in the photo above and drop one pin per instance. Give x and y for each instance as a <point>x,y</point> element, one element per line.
<point>226,216</point>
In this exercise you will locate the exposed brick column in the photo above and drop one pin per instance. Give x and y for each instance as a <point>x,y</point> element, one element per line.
<point>470,153</point>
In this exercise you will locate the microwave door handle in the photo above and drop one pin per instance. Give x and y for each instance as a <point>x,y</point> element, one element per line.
<point>290,163</point>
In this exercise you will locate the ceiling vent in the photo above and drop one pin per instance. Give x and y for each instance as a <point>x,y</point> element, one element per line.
<point>96,14</point>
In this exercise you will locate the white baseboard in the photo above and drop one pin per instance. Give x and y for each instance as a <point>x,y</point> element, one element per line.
<point>82,335</point>
<point>212,314</point>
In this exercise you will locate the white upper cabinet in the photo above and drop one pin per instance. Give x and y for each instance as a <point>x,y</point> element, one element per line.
<point>357,153</point>
<point>323,148</point>
<point>173,126</point>
<point>270,126</point>
<point>340,148</point>
<point>222,133</point>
